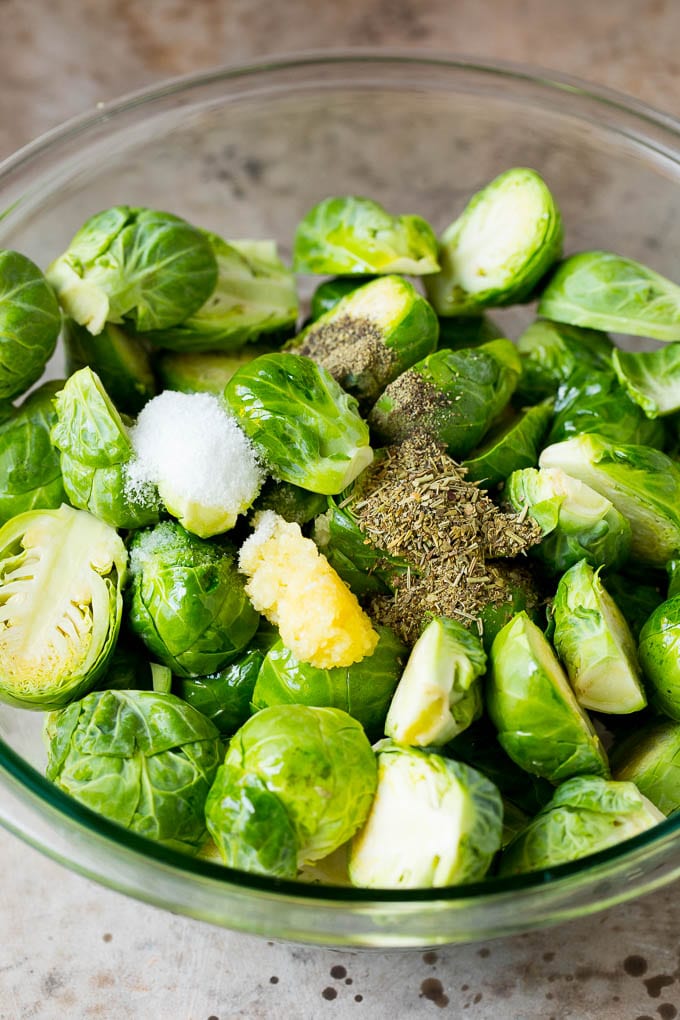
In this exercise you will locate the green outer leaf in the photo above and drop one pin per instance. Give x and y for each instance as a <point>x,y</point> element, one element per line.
<point>360,564</point>
<point>30,321</point>
<point>650,758</point>
<point>660,656</point>
<point>29,464</point>
<point>652,379</point>
<point>552,351</point>
<point>593,401</point>
<point>121,362</point>
<point>509,447</point>
<point>225,696</point>
<point>606,291</point>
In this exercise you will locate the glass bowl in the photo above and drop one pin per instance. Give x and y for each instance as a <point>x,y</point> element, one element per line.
<point>246,152</point>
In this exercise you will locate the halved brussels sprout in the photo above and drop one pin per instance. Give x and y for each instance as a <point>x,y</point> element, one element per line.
<point>61,577</point>
<point>651,378</point>
<point>593,641</point>
<point>350,234</point>
<point>371,335</point>
<point>660,656</point>
<point>506,239</point>
<point>606,291</point>
<point>30,472</point>
<point>437,696</point>
<point>434,822</point>
<point>552,352</point>
<point>121,362</point>
<point>512,443</point>
<point>642,483</point>
<point>539,721</point>
<point>307,428</point>
<point>30,321</point>
<point>148,268</point>
<point>187,600</point>
<point>576,521</point>
<point>144,760</point>
<point>593,401</point>
<point>586,814</point>
<point>650,758</point>
<point>328,293</point>
<point>206,372</point>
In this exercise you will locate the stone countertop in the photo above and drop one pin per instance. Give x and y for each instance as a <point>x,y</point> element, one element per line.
<point>70,949</point>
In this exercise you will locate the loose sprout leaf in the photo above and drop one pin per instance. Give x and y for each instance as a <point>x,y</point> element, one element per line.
<point>30,321</point>
<point>594,401</point>
<point>551,352</point>
<point>508,446</point>
<point>660,656</point>
<point>652,379</point>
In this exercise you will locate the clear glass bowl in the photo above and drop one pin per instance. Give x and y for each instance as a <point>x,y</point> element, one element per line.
<point>246,152</point>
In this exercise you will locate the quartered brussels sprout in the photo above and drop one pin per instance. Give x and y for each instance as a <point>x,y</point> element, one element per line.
<point>595,644</point>
<point>205,372</point>
<point>328,293</point>
<point>296,783</point>
<point>371,335</point>
<point>438,695</point>
<point>29,464</point>
<point>586,814</point>
<point>61,576</point>
<point>606,291</point>
<point>30,321</point>
<point>512,443</point>
<point>650,758</point>
<point>450,396</point>
<point>506,239</point>
<point>95,452</point>
<point>539,721</point>
<point>141,759</point>
<point>147,268</point>
<point>651,378</point>
<point>660,656</point>
<point>350,234</point>
<point>434,822</point>
<point>254,298</point>
<point>467,331</point>
<point>187,600</point>
<point>593,401</point>
<point>642,483</point>
<point>120,361</point>
<point>575,520</point>
<point>363,690</point>
<point>552,352</point>
<point>307,428</point>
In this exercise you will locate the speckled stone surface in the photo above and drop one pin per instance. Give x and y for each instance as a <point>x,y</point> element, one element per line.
<point>69,949</point>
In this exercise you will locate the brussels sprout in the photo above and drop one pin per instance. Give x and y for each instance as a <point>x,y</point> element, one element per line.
<point>121,362</point>
<point>437,696</point>
<point>316,763</point>
<point>467,331</point>
<point>363,690</point>
<point>508,446</point>
<point>95,451</point>
<point>576,522</point>
<point>540,724</point>
<point>642,483</point>
<point>595,644</point>
<point>29,464</point>
<point>652,379</point>
<point>206,372</point>
<point>606,291</point>
<point>328,293</point>
<point>434,822</point>
<point>650,758</point>
<point>673,571</point>
<point>551,352</point>
<point>143,760</point>
<point>61,577</point>
<point>593,401</point>
<point>637,601</point>
<point>290,501</point>
<point>225,696</point>
<point>506,239</point>
<point>660,656</point>
<point>586,814</point>
<point>307,428</point>
<point>254,297</point>
<point>522,592</point>
<point>148,268</point>
<point>356,235</point>
<point>451,396</point>
<point>371,335</point>
<point>30,321</point>
<point>187,601</point>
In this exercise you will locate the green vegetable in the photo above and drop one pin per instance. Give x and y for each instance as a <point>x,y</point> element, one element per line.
<point>144,760</point>
<point>606,291</point>
<point>29,464</point>
<point>206,372</point>
<point>576,521</point>
<point>495,253</point>
<point>642,483</point>
<point>451,396</point>
<point>187,600</point>
<point>552,352</point>
<point>585,815</point>
<point>523,591</point>
<point>289,501</point>
<point>673,571</point>
<point>660,656</point>
<point>61,576</point>
<point>467,331</point>
<point>363,690</point>
<point>438,695</point>
<point>29,323</point>
<point>593,401</point>
<point>147,268</point>
<point>652,379</point>
<point>225,696</point>
<point>328,293</point>
<point>540,724</point>
<point>356,235</point>
<point>121,362</point>
<point>512,443</point>
<point>636,600</point>
<point>307,428</point>
<point>650,758</point>
<point>434,822</point>
<point>595,644</point>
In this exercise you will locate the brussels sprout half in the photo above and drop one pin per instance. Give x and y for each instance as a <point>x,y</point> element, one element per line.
<point>30,321</point>
<point>660,656</point>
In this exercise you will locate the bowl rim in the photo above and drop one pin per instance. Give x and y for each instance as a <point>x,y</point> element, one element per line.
<point>44,793</point>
